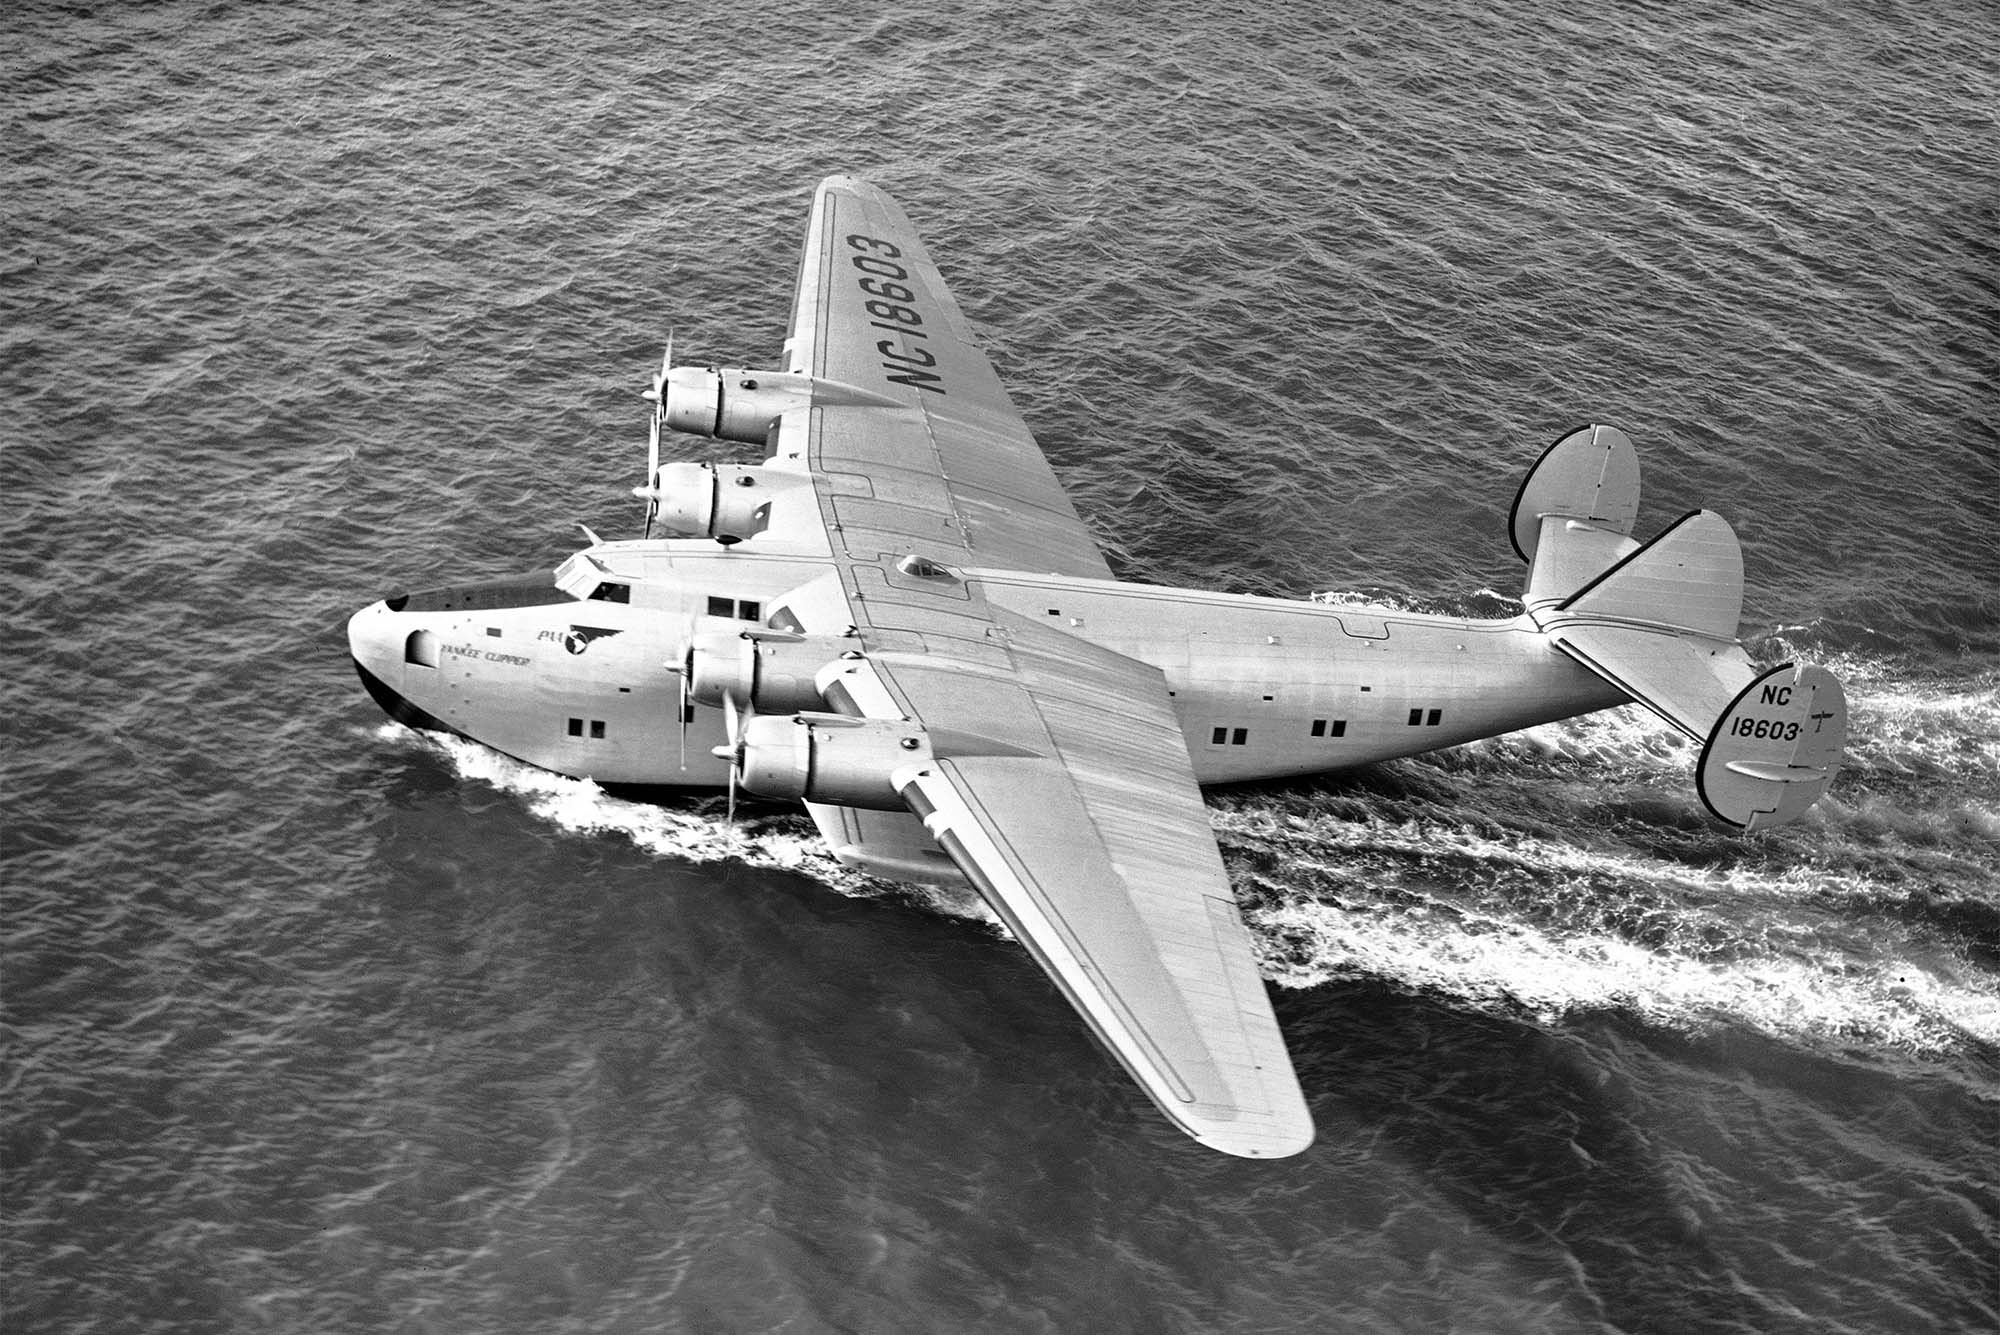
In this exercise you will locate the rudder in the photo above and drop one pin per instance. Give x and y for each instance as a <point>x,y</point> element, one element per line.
<point>1775,749</point>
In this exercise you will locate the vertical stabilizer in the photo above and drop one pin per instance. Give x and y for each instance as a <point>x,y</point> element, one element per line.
<point>1574,511</point>
<point>1775,749</point>
<point>1591,475</point>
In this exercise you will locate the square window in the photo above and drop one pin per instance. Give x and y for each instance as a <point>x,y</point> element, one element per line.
<point>749,611</point>
<point>493,631</point>
<point>1416,717</point>
<point>1219,737</point>
<point>1340,727</point>
<point>721,607</point>
<point>1319,727</point>
<point>597,730</point>
<point>576,727</point>
<point>1055,611</point>
<point>1432,718</point>
<point>1240,736</point>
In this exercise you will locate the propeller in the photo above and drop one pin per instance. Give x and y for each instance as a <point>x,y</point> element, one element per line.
<point>658,394</point>
<point>736,720</point>
<point>684,669</point>
<point>683,717</point>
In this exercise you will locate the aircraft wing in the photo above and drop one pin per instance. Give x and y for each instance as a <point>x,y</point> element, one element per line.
<point>1061,787</point>
<point>957,465</point>
<point>1056,779</point>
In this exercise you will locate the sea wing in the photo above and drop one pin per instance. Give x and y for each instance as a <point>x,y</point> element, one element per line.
<point>1057,780</point>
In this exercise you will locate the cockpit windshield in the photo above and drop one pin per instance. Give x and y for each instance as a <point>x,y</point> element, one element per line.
<point>580,575</point>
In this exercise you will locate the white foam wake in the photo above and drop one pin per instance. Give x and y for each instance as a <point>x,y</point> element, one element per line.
<point>1551,928</point>
<point>687,834</point>
<point>1545,926</point>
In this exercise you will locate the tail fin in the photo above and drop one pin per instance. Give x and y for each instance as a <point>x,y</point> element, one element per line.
<point>1574,510</point>
<point>1659,621</point>
<point>1775,749</point>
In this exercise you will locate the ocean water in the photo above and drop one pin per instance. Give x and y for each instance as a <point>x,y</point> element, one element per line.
<point>314,1024</point>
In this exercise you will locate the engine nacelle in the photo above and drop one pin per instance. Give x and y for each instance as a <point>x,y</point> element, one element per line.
<point>727,502</point>
<point>731,404</point>
<point>830,758</point>
<point>773,672</point>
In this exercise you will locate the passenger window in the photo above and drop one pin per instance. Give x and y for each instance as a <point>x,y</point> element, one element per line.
<point>610,592</point>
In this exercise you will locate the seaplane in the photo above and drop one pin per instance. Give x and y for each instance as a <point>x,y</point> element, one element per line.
<point>897,618</point>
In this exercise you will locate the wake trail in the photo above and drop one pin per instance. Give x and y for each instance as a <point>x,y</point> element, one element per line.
<point>1873,922</point>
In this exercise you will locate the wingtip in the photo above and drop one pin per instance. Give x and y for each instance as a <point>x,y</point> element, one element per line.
<point>1271,1136</point>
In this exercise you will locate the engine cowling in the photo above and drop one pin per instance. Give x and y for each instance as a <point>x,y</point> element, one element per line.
<point>729,403</point>
<point>829,758</point>
<point>733,404</point>
<point>727,502</point>
<point>774,672</point>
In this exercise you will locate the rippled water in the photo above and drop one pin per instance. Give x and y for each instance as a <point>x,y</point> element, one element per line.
<point>314,1024</point>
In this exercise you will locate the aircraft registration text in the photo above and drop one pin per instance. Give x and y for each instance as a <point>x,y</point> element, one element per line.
<point>888,300</point>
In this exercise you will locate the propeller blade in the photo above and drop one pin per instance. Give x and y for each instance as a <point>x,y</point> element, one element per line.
<point>736,718</point>
<point>729,817</point>
<point>650,493</point>
<point>686,671</point>
<point>659,387</point>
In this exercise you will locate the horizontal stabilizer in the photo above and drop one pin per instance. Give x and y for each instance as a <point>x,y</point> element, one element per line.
<point>1690,578</point>
<point>1775,749</point>
<point>1685,681</point>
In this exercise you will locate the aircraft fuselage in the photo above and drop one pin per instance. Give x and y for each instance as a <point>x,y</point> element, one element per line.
<point>586,679</point>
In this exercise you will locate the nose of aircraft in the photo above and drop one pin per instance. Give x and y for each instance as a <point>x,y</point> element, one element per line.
<point>379,640</point>
<point>370,636</point>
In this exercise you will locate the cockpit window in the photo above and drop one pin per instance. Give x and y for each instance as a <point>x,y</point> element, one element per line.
<point>583,576</point>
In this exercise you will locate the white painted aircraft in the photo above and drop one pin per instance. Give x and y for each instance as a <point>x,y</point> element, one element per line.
<point>898,618</point>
